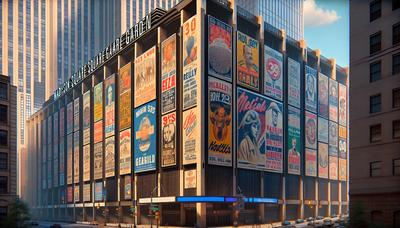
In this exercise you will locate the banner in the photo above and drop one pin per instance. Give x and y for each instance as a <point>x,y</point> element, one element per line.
<point>190,137</point>
<point>168,75</point>
<point>311,130</point>
<point>98,102</point>
<point>168,143</point>
<point>125,78</point>
<point>62,162</point>
<point>70,118</point>
<point>248,66</point>
<point>219,122</point>
<point>125,97</point>
<point>333,100</point>
<point>274,137</point>
<point>127,187</point>
<point>145,77</point>
<point>86,118</point>
<point>145,137</point>
<point>219,49</point>
<point>251,145</point>
<point>323,160</point>
<point>98,191</point>
<point>69,159</point>
<point>342,169</point>
<point>98,160</point>
<point>293,83</point>
<point>76,193</point>
<point>86,193</point>
<point>323,95</point>
<point>323,129</point>
<point>98,131</point>
<point>273,73</point>
<point>125,152</point>
<point>333,139</point>
<point>76,157</point>
<point>294,143</point>
<point>342,105</point>
<point>311,162</point>
<point>342,148</point>
<point>190,178</point>
<point>342,132</point>
<point>311,89</point>
<point>333,167</point>
<point>86,162</point>
<point>62,120</point>
<point>191,62</point>
<point>109,90</point>
<point>70,194</point>
<point>110,156</point>
<point>76,114</point>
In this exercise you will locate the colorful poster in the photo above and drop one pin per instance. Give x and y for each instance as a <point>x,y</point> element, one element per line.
<point>70,194</point>
<point>125,152</point>
<point>76,157</point>
<point>190,137</point>
<point>311,90</point>
<point>145,77</point>
<point>342,169</point>
<point>190,178</point>
<point>86,162</point>
<point>191,59</point>
<point>76,193</point>
<point>219,49</point>
<point>145,137</point>
<point>323,129</point>
<point>76,114</point>
<point>86,118</point>
<point>311,130</point>
<point>219,122</point>
<point>110,156</point>
<point>62,162</point>
<point>342,105</point>
<point>342,132</point>
<point>62,120</point>
<point>323,160</point>
<point>168,75</point>
<point>98,102</point>
<point>311,162</point>
<point>98,131</point>
<point>168,143</point>
<point>323,95</point>
<point>109,91</point>
<point>125,97</point>
<point>333,100</point>
<point>333,167</point>
<point>127,187</point>
<point>293,83</point>
<point>70,117</point>
<point>273,73</point>
<point>342,148</point>
<point>333,139</point>
<point>252,130</point>
<point>274,137</point>
<point>98,160</point>
<point>248,66</point>
<point>293,143</point>
<point>125,78</point>
<point>98,191</point>
<point>69,159</point>
<point>86,192</point>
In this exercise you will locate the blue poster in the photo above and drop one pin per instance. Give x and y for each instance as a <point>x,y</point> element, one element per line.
<point>145,137</point>
<point>311,89</point>
<point>98,191</point>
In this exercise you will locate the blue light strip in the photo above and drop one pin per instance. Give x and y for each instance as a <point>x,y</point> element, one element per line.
<point>221,199</point>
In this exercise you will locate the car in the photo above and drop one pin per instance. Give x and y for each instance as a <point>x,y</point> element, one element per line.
<point>310,219</point>
<point>299,221</point>
<point>319,217</point>
<point>327,222</point>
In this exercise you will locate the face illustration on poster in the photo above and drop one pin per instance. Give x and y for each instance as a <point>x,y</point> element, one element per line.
<point>292,150</point>
<point>248,148</point>
<point>220,119</point>
<point>169,136</point>
<point>311,86</point>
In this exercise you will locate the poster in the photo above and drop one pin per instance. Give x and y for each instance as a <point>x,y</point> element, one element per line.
<point>70,194</point>
<point>248,68</point>
<point>219,49</point>
<point>251,111</point>
<point>333,100</point>
<point>191,58</point>
<point>333,139</point>
<point>76,157</point>
<point>323,129</point>
<point>311,130</point>
<point>69,159</point>
<point>333,167</point>
<point>168,142</point>
<point>76,114</point>
<point>127,187</point>
<point>98,131</point>
<point>86,162</point>
<point>342,169</point>
<point>125,152</point>
<point>110,156</point>
<point>62,162</point>
<point>190,178</point>
<point>293,83</point>
<point>219,122</point>
<point>145,77</point>
<point>86,192</point>
<point>342,148</point>
<point>98,102</point>
<point>323,95</point>
<point>76,193</point>
<point>273,73</point>
<point>311,162</point>
<point>274,137</point>
<point>145,137</point>
<point>62,120</point>
<point>311,89</point>
<point>125,78</point>
<point>323,160</point>
<point>342,132</point>
<point>168,75</point>
<point>125,96</point>
<point>70,117</point>
<point>190,137</point>
<point>86,118</point>
<point>98,160</point>
<point>109,90</point>
<point>342,105</point>
<point>98,191</point>
<point>293,143</point>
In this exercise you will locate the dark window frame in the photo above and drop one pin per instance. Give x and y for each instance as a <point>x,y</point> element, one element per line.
<point>374,105</point>
<point>396,67</point>
<point>396,167</point>
<point>3,188</point>
<point>2,87</point>
<point>395,4</point>
<point>375,74</point>
<point>373,133</point>
<point>373,15</point>
<point>3,160</point>
<point>395,96</point>
<point>6,145</point>
<point>375,42</point>
<point>396,33</point>
<point>372,168</point>
<point>396,128</point>
<point>2,115</point>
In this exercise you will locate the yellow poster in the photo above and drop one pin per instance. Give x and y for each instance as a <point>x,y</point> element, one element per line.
<point>342,169</point>
<point>86,163</point>
<point>145,77</point>
<point>125,110</point>
<point>248,67</point>
<point>98,102</point>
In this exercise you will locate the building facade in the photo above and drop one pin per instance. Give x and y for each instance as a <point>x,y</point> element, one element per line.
<point>8,144</point>
<point>374,107</point>
<point>201,115</point>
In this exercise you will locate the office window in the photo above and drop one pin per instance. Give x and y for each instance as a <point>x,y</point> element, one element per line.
<point>3,185</point>
<point>396,64</point>
<point>3,161</point>
<point>396,129</point>
<point>375,133</point>
<point>396,98</point>
<point>375,168</point>
<point>395,4</point>
<point>3,138</point>
<point>3,114</point>
<point>375,42</point>
<point>374,10</point>
<point>396,34</point>
<point>396,167</point>
<point>3,91</point>
<point>375,103</point>
<point>374,71</point>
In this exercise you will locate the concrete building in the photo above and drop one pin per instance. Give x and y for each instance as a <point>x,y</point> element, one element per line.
<point>8,144</point>
<point>374,107</point>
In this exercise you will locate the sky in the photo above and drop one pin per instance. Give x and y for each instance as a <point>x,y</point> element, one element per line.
<point>326,27</point>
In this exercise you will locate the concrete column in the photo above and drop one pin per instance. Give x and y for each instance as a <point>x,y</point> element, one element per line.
<point>301,193</point>
<point>283,209</point>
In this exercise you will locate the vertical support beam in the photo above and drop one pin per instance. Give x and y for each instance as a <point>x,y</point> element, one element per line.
<point>301,193</point>
<point>260,21</point>
<point>283,209</point>
<point>316,198</point>
<point>136,199</point>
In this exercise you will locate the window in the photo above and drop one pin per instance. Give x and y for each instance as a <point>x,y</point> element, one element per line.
<point>396,64</point>
<point>3,212</point>
<point>3,185</point>
<point>374,10</point>
<point>395,4</point>
<point>3,114</point>
<point>396,98</point>
<point>396,129</point>
<point>3,91</point>
<point>375,42</point>
<point>3,161</point>
<point>375,71</point>
<point>396,167</point>
<point>375,103</point>
<point>396,34</point>
<point>375,133</point>
<point>375,168</point>
<point>3,138</point>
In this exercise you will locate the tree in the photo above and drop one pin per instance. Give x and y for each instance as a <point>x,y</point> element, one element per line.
<point>357,216</point>
<point>18,215</point>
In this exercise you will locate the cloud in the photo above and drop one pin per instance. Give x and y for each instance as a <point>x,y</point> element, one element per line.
<point>315,16</point>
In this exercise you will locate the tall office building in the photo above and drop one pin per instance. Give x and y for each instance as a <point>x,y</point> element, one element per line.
<point>375,109</point>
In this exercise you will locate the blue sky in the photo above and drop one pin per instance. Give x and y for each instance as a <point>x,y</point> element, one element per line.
<point>326,27</point>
